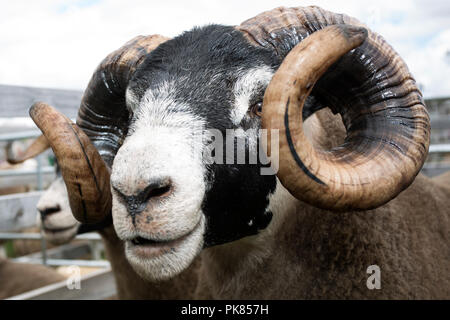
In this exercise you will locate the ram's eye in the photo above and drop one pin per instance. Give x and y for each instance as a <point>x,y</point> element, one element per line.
<point>256,108</point>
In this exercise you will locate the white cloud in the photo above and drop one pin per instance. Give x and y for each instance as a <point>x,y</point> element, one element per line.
<point>52,43</point>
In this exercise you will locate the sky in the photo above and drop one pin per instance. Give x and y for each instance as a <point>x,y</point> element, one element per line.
<point>58,44</point>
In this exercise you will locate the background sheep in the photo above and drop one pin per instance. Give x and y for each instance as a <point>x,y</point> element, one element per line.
<point>17,278</point>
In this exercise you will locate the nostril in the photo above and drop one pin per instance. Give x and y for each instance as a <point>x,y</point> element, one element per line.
<point>137,202</point>
<point>49,210</point>
<point>155,189</point>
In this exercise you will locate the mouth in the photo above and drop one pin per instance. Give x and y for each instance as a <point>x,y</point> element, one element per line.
<point>151,248</point>
<point>139,241</point>
<point>57,230</point>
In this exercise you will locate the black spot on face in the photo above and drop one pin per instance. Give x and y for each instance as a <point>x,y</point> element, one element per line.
<point>236,204</point>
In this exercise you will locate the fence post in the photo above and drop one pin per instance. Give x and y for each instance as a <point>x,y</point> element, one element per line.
<point>43,247</point>
<point>39,173</point>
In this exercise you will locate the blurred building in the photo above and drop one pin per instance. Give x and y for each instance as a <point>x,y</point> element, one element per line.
<point>16,100</point>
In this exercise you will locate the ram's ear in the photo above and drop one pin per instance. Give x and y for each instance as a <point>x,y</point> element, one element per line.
<point>37,147</point>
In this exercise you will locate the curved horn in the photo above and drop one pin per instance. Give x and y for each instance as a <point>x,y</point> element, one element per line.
<point>387,125</point>
<point>83,170</point>
<point>37,147</point>
<point>86,150</point>
<point>103,114</point>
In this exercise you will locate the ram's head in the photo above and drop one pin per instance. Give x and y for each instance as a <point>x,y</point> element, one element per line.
<point>150,110</point>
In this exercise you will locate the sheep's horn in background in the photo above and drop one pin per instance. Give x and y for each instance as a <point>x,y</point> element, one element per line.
<point>37,147</point>
<point>388,128</point>
<point>84,171</point>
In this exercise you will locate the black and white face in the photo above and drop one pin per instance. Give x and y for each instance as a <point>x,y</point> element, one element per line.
<point>169,199</point>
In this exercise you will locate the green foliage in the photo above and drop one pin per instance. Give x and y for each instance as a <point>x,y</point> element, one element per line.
<point>9,248</point>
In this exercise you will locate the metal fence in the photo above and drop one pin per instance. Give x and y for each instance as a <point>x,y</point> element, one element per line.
<point>40,170</point>
<point>24,213</point>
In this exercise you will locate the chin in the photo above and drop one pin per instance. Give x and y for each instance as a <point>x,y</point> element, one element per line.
<point>165,260</point>
<point>60,236</point>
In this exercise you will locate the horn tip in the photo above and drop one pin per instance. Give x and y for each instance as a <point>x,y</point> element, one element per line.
<point>353,34</point>
<point>35,107</point>
<point>13,161</point>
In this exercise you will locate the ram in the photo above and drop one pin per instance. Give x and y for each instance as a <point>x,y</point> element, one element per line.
<point>315,228</point>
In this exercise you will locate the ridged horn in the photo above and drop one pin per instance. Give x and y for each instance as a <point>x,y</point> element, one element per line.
<point>103,114</point>
<point>38,146</point>
<point>85,150</point>
<point>388,128</point>
<point>84,172</point>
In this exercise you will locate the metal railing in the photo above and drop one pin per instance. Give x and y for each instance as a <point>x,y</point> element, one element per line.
<point>25,172</point>
<point>29,134</point>
<point>39,171</point>
<point>38,236</point>
<point>93,238</point>
<point>439,148</point>
<point>94,244</point>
